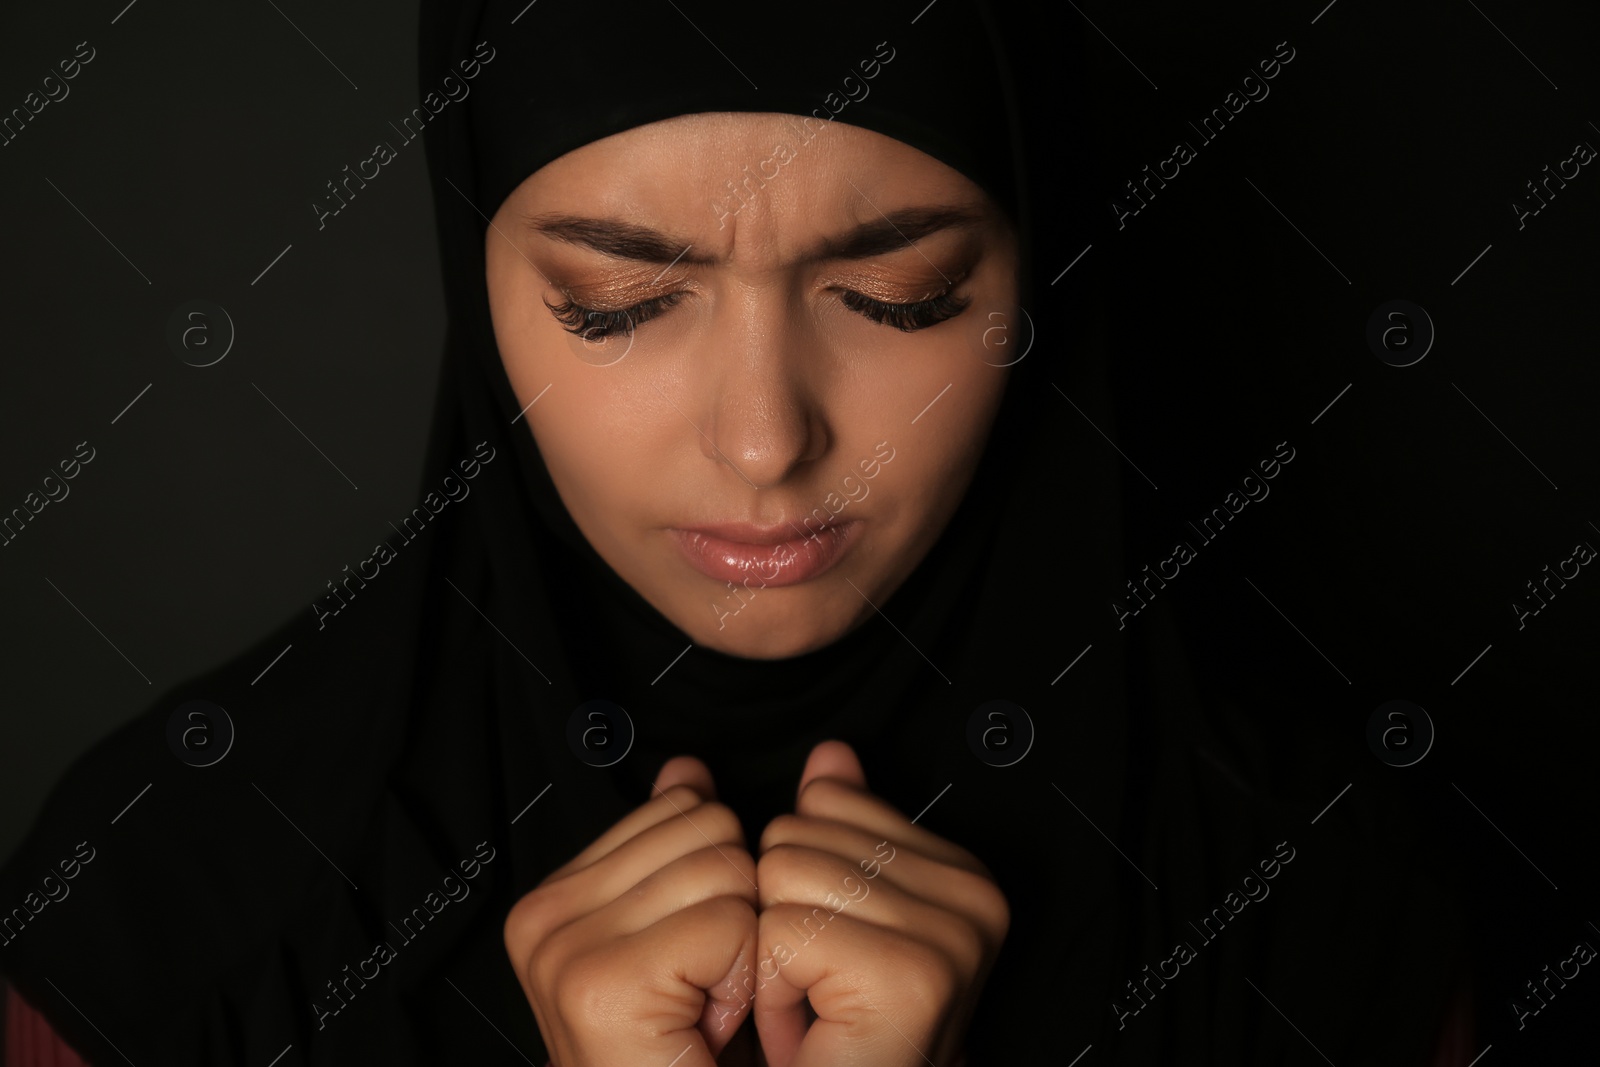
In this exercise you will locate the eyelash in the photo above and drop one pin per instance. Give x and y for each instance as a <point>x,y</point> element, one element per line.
<point>907,318</point>
<point>596,325</point>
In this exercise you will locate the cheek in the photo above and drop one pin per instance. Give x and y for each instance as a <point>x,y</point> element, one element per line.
<point>944,400</point>
<point>593,430</point>
<point>601,442</point>
<point>919,489</point>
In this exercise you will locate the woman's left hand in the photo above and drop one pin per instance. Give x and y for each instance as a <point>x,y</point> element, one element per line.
<point>887,929</point>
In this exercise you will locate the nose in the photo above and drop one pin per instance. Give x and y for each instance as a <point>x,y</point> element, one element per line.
<point>763,417</point>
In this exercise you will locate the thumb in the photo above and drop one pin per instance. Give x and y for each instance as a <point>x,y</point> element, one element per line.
<point>833,759</point>
<point>685,770</point>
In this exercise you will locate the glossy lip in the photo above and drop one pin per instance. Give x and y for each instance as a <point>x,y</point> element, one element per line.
<point>763,556</point>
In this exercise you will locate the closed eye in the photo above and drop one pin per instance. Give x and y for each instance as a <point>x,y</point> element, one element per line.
<point>917,315</point>
<point>594,325</point>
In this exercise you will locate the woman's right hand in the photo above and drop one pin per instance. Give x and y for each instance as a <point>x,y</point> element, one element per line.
<point>617,949</point>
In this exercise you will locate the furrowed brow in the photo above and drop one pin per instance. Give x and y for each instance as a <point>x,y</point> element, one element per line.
<point>625,240</point>
<point>894,231</point>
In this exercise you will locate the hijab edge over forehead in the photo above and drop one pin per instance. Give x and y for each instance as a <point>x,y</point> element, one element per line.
<point>941,87</point>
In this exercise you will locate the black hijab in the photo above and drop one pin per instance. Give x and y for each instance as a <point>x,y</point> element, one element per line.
<point>409,770</point>
<point>735,710</point>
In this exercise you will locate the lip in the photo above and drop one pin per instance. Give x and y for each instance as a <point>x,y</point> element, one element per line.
<point>771,555</point>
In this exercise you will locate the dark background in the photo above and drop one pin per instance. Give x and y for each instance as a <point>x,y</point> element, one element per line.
<point>1390,550</point>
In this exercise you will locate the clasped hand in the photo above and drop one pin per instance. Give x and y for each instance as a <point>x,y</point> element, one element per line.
<point>857,937</point>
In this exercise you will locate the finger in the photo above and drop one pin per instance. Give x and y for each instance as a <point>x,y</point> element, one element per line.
<point>728,1004</point>
<point>561,900</point>
<point>832,759</point>
<point>685,770</point>
<point>963,889</point>
<point>641,998</point>
<point>701,875</point>
<point>823,889</point>
<point>840,801</point>
<point>797,903</point>
<point>670,804</point>
<point>711,824</point>
<point>703,948</point>
<point>878,995</point>
<point>780,1012</point>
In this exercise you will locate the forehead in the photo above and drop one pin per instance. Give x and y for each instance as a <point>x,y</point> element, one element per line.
<point>711,176</point>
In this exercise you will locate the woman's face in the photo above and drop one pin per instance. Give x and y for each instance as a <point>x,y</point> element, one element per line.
<point>764,367</point>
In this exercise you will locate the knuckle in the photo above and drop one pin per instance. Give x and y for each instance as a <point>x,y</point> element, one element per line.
<point>971,948</point>
<point>680,797</point>
<point>989,907</point>
<point>996,909</point>
<point>717,821</point>
<point>781,872</point>
<point>725,865</point>
<point>545,963</point>
<point>731,912</point>
<point>773,925</point>
<point>526,923</point>
<point>744,864</point>
<point>820,796</point>
<point>781,830</point>
<point>723,869</point>
<point>985,901</point>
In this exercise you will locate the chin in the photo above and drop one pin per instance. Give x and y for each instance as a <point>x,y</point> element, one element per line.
<point>771,637</point>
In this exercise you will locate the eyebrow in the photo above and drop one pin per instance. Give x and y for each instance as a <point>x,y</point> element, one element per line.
<point>626,240</point>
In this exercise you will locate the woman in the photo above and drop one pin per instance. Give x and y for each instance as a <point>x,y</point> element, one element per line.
<point>692,714</point>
